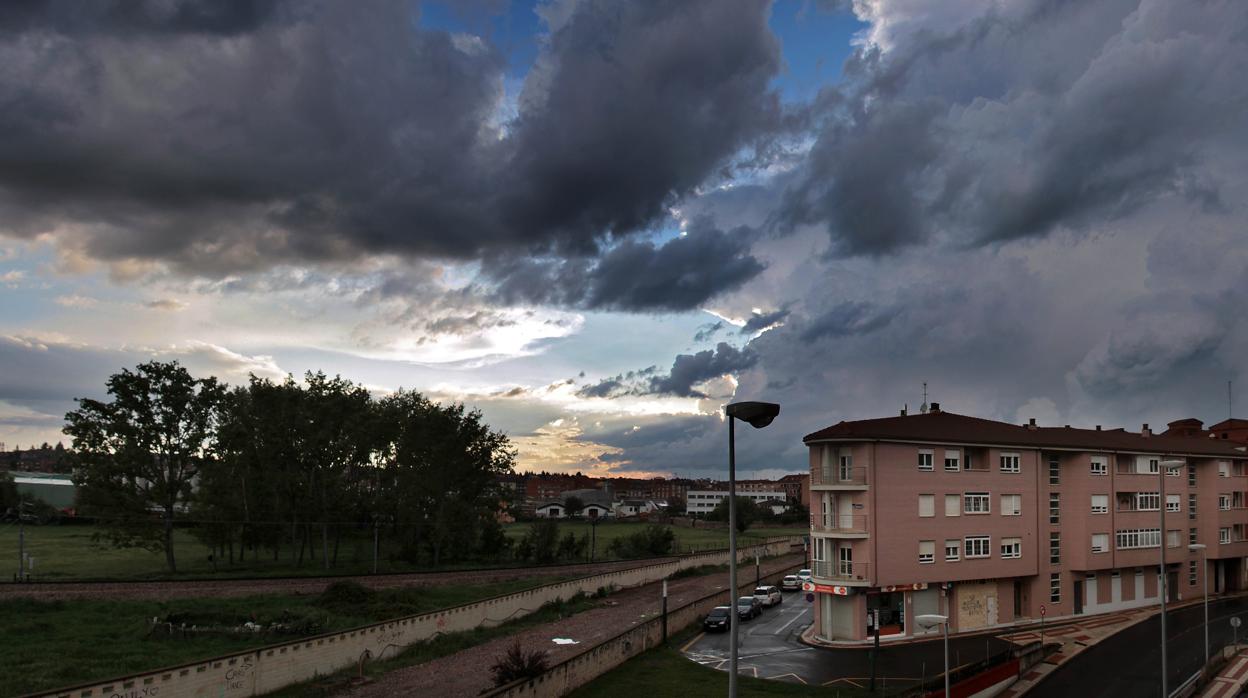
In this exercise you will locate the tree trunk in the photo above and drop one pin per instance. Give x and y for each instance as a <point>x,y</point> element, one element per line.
<point>173,565</point>
<point>337,540</point>
<point>325,544</point>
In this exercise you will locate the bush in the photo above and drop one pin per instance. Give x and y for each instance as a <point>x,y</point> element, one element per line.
<point>541,541</point>
<point>651,541</point>
<point>346,596</point>
<point>518,664</point>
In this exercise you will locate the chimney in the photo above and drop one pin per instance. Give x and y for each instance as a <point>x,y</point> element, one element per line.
<point>935,407</point>
<point>1145,432</point>
<point>904,409</point>
<point>1098,427</point>
<point>1031,423</point>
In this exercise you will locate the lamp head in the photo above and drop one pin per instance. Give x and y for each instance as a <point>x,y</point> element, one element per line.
<point>756,414</point>
<point>931,620</point>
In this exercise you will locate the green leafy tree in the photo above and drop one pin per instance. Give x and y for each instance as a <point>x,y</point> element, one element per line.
<point>139,454</point>
<point>8,494</point>
<point>574,505</point>
<point>541,541</point>
<point>747,512</point>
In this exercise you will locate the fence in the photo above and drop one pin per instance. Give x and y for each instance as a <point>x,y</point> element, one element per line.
<point>259,671</point>
<point>587,665</point>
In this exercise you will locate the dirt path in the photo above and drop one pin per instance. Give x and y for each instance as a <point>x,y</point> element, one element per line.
<point>161,591</point>
<point>467,673</point>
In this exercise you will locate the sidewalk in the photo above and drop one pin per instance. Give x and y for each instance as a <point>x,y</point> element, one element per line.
<point>1075,638</point>
<point>1232,678</point>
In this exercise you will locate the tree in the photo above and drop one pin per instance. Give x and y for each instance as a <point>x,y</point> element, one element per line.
<point>140,453</point>
<point>747,512</point>
<point>8,494</point>
<point>574,505</point>
<point>541,541</point>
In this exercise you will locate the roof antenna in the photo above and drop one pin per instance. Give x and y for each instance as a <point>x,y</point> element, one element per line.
<point>1229,404</point>
<point>923,408</point>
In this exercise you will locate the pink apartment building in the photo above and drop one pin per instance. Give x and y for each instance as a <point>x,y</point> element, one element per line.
<point>987,522</point>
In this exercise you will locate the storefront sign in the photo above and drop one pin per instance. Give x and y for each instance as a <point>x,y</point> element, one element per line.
<point>903,587</point>
<point>825,588</point>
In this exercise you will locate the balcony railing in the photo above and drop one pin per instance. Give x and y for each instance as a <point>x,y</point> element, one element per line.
<point>840,523</point>
<point>853,475</point>
<point>840,571</point>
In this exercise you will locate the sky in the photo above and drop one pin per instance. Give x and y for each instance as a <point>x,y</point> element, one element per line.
<point>600,222</point>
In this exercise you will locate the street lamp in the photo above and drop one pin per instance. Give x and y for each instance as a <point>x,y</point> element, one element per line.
<point>1162,467</point>
<point>1204,572</point>
<point>757,415</point>
<point>930,621</point>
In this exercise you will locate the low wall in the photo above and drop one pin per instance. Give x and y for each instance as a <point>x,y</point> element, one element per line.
<point>259,671</point>
<point>580,669</point>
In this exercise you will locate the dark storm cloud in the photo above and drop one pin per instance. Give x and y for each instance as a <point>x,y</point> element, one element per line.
<point>761,321</point>
<point>707,331</point>
<point>688,370</point>
<point>983,133</point>
<point>851,317</point>
<point>328,131</point>
<point>635,275</point>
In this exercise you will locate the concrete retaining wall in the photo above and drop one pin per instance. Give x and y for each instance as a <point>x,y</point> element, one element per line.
<point>578,670</point>
<point>260,671</point>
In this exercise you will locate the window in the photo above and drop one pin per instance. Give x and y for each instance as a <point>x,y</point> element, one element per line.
<point>1055,548</point>
<point>1100,504</point>
<point>1055,470</point>
<point>1011,504</point>
<point>1191,536</point>
<point>953,461</point>
<point>1011,548</point>
<point>1224,535</point>
<point>927,552</point>
<point>1191,506</point>
<point>1191,475</point>
<point>1100,465</point>
<point>1224,469</point>
<point>1224,502</point>
<point>927,505</point>
<point>1055,587</point>
<point>925,459</point>
<point>1172,538</point>
<point>953,505</point>
<point>1055,507</point>
<point>1100,542</point>
<point>845,561</point>
<point>953,549</point>
<point>1172,502</point>
<point>1009,463</point>
<point>978,546</point>
<point>1146,465</point>
<point>847,467</point>
<point>826,465</point>
<point>1191,573</point>
<point>1147,501</point>
<point>1132,538</point>
<point>976,503</point>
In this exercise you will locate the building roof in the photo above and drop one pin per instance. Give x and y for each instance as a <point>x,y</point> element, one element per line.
<point>1233,423</point>
<point>941,426</point>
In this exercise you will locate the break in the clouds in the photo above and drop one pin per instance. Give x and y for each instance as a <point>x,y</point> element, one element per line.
<point>1034,207</point>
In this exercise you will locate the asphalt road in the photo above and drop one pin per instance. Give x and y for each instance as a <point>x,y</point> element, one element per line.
<point>771,649</point>
<point>1129,662</point>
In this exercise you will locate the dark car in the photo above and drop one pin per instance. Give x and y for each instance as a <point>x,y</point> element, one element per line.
<point>717,619</point>
<point>749,607</point>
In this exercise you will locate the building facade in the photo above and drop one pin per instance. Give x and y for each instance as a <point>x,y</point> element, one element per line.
<point>705,501</point>
<point>986,522</point>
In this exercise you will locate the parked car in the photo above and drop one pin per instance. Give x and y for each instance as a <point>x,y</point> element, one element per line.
<point>717,619</point>
<point>749,607</point>
<point>791,583</point>
<point>768,596</point>
<point>803,575</point>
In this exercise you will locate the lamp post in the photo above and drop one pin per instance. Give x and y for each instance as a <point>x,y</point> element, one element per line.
<point>929,621</point>
<point>1162,467</point>
<point>1204,572</point>
<point>757,415</point>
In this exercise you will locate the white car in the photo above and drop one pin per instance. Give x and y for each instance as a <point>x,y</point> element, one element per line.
<point>790,583</point>
<point>803,575</point>
<point>768,596</point>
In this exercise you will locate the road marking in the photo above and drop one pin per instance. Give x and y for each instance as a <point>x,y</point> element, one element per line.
<point>692,642</point>
<point>782,628</point>
<point>772,654</point>
<point>781,676</point>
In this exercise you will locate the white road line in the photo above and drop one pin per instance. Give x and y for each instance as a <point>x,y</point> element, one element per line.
<point>792,621</point>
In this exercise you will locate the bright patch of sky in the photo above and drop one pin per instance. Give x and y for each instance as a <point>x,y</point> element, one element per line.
<point>816,41</point>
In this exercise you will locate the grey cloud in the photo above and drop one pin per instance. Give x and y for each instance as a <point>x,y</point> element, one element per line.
<point>848,318</point>
<point>690,369</point>
<point>330,131</point>
<point>761,321</point>
<point>635,275</point>
<point>707,331</point>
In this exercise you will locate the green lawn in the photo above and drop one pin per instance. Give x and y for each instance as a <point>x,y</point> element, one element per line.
<point>67,552</point>
<point>48,644</point>
<point>664,673</point>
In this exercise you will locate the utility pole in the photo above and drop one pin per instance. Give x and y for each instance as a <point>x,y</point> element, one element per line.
<point>875,652</point>
<point>21,541</point>
<point>375,536</point>
<point>665,611</point>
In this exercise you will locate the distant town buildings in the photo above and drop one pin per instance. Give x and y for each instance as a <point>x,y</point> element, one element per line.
<point>705,501</point>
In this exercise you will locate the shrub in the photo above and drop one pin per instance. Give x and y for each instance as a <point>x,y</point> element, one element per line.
<point>346,596</point>
<point>518,663</point>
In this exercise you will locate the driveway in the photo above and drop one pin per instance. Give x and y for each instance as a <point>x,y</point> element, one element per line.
<point>771,649</point>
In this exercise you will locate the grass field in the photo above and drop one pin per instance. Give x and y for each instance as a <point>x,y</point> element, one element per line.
<point>67,552</point>
<point>665,673</point>
<point>48,644</point>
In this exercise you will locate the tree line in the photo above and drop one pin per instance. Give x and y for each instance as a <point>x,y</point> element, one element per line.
<point>285,468</point>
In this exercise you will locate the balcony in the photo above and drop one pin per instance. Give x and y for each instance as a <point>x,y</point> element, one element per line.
<point>841,525</point>
<point>839,477</point>
<point>838,572</point>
